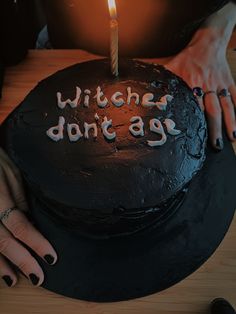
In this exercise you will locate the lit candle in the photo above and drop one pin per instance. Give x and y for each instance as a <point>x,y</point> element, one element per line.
<point>114,37</point>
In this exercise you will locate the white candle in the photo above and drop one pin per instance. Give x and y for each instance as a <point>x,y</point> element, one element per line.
<point>114,37</point>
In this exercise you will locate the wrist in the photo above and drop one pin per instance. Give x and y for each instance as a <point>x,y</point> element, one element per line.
<point>211,38</point>
<point>217,29</point>
<point>207,45</point>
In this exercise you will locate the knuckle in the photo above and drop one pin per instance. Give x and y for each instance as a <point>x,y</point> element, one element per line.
<point>20,230</point>
<point>4,244</point>
<point>24,265</point>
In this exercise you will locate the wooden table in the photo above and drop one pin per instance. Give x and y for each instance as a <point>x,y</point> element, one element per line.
<point>217,277</point>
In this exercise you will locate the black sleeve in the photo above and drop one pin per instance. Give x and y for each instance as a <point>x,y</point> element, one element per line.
<point>17,31</point>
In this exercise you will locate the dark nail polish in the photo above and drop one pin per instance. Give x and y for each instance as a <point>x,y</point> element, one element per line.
<point>49,259</point>
<point>34,279</point>
<point>219,144</point>
<point>7,280</point>
<point>234,134</point>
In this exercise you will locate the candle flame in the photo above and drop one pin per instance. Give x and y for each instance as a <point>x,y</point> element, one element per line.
<point>112,8</point>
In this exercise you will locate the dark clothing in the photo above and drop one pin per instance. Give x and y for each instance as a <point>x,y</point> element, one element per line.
<point>181,18</point>
<point>147,28</point>
<point>18,30</point>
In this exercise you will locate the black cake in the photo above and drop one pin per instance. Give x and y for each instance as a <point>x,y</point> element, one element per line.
<point>115,165</point>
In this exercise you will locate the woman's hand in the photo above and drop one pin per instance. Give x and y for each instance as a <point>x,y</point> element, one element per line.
<point>16,228</point>
<point>203,64</point>
<point>207,67</point>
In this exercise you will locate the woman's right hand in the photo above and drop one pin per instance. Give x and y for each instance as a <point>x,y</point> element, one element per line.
<point>16,228</point>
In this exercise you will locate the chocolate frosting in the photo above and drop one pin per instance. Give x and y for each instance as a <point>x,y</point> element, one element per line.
<point>99,178</point>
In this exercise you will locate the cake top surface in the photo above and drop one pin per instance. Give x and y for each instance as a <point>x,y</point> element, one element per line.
<point>90,141</point>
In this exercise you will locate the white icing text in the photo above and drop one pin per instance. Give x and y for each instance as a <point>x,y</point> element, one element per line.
<point>118,99</point>
<point>136,128</point>
<point>76,131</point>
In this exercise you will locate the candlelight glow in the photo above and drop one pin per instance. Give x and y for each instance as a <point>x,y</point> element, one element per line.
<point>112,8</point>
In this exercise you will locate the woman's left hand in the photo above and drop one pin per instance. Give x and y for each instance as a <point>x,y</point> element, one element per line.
<point>206,66</point>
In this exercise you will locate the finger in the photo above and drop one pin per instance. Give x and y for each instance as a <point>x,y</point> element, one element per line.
<point>229,116</point>
<point>214,119</point>
<point>18,255</point>
<point>201,103</point>
<point>15,186</point>
<point>6,273</point>
<point>17,222</point>
<point>6,200</point>
<point>4,157</point>
<point>20,227</point>
<point>198,93</point>
<point>232,91</point>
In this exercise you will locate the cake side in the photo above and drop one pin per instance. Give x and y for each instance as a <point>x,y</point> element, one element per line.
<point>148,161</point>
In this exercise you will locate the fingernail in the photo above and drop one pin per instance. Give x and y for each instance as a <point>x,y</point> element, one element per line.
<point>234,134</point>
<point>7,280</point>
<point>49,259</point>
<point>34,279</point>
<point>219,144</point>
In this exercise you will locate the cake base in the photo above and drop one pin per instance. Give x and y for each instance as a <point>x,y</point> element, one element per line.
<point>99,186</point>
<point>148,262</point>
